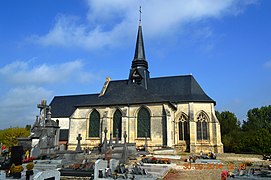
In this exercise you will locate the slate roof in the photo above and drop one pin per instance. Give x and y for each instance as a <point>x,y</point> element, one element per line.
<point>64,106</point>
<point>175,89</point>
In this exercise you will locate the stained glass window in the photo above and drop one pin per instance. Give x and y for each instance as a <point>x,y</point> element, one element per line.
<point>199,133</point>
<point>204,130</point>
<point>117,120</point>
<point>183,128</point>
<point>143,123</point>
<point>94,124</point>
<point>202,127</point>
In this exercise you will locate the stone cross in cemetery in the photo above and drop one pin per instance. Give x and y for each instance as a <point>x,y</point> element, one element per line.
<point>78,147</point>
<point>111,139</point>
<point>146,142</point>
<point>105,140</point>
<point>49,117</point>
<point>117,136</point>
<point>125,149</point>
<point>43,110</point>
<point>125,137</point>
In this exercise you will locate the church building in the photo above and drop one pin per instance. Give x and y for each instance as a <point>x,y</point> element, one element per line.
<point>170,111</point>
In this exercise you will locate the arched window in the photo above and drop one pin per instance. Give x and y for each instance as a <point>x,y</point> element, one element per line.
<point>117,120</point>
<point>202,128</point>
<point>94,124</point>
<point>183,128</point>
<point>143,123</point>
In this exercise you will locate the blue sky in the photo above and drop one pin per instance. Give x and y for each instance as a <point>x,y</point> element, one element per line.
<point>60,47</point>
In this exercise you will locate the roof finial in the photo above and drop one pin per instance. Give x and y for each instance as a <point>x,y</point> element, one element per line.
<point>140,12</point>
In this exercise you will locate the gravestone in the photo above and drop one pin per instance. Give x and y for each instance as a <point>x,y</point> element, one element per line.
<point>17,155</point>
<point>35,152</point>
<point>2,175</point>
<point>123,151</point>
<point>117,136</point>
<point>78,147</point>
<point>62,147</point>
<point>47,139</point>
<point>47,175</point>
<point>100,165</point>
<point>45,132</point>
<point>113,164</point>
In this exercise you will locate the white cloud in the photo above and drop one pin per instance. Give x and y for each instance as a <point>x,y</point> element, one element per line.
<point>26,84</point>
<point>20,96</point>
<point>18,105</point>
<point>267,64</point>
<point>21,72</point>
<point>110,22</point>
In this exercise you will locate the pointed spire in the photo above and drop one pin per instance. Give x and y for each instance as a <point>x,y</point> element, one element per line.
<point>139,73</point>
<point>139,57</point>
<point>139,51</point>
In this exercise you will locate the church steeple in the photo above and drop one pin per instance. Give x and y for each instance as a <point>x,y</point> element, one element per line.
<point>139,51</point>
<point>139,73</point>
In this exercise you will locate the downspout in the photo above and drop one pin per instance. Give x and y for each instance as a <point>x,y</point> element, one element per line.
<point>174,128</point>
<point>128,123</point>
<point>101,133</point>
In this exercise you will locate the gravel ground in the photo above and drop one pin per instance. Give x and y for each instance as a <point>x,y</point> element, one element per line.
<point>209,172</point>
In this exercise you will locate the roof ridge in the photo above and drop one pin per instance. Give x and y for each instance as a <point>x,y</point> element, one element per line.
<point>119,80</point>
<point>163,77</point>
<point>78,95</point>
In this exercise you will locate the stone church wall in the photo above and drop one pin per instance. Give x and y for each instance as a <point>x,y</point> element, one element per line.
<point>79,123</point>
<point>64,123</point>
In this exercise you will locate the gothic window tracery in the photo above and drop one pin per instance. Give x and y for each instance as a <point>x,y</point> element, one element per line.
<point>183,128</point>
<point>94,124</point>
<point>202,126</point>
<point>143,123</point>
<point>117,120</point>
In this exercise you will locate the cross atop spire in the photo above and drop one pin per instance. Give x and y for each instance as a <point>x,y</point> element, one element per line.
<point>140,12</point>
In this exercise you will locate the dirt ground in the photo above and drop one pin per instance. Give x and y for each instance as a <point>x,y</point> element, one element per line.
<point>212,172</point>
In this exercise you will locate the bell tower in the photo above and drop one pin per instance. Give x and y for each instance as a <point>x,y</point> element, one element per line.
<point>139,72</point>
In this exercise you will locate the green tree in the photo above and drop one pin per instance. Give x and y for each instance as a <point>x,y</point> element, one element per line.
<point>254,136</point>
<point>28,127</point>
<point>258,118</point>
<point>228,122</point>
<point>9,136</point>
<point>257,130</point>
<point>230,131</point>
